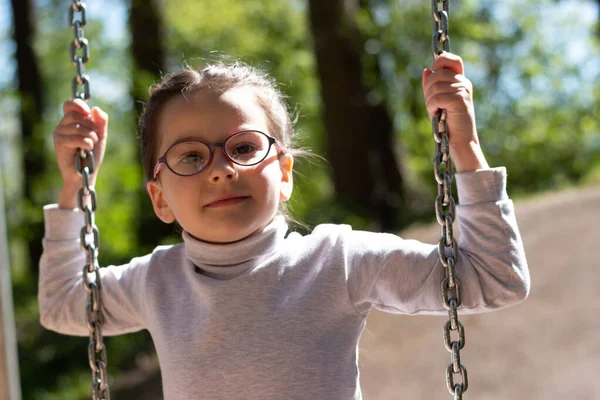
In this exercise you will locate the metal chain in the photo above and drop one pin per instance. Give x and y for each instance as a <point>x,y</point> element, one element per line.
<point>78,9</point>
<point>87,201</point>
<point>445,211</point>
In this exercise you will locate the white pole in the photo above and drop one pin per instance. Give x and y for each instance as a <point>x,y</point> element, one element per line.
<point>10,385</point>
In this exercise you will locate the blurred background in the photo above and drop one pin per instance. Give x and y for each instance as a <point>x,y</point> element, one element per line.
<point>352,71</point>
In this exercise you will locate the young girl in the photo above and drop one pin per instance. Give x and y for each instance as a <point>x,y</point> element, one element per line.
<point>242,309</point>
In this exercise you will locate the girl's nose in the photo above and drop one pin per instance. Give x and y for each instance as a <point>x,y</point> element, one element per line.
<point>221,167</point>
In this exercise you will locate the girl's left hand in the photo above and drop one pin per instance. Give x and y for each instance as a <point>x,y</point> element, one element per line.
<point>445,86</point>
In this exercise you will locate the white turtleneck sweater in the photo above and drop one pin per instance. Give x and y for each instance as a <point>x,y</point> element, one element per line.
<point>276,316</point>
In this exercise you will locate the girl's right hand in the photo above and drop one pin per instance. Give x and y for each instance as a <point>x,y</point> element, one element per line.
<point>79,128</point>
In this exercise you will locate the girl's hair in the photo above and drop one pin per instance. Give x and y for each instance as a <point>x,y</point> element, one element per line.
<point>217,78</point>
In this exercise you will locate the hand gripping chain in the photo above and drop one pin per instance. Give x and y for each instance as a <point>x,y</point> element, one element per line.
<point>445,208</point>
<point>86,201</point>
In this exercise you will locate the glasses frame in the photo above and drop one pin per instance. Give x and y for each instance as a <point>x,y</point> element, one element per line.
<point>220,145</point>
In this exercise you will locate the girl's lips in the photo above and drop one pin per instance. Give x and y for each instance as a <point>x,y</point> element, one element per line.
<point>227,202</point>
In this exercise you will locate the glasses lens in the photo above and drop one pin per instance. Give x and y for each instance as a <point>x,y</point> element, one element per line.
<point>247,148</point>
<point>188,158</point>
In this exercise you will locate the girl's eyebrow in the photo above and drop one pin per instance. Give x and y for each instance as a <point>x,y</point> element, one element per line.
<point>188,137</point>
<point>183,139</point>
<point>195,137</point>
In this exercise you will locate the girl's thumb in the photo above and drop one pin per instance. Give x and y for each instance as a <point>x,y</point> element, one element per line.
<point>100,119</point>
<point>426,73</point>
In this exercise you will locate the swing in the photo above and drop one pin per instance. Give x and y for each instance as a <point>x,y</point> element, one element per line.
<point>444,208</point>
<point>86,201</point>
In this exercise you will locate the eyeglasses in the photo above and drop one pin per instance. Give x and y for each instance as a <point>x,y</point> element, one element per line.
<point>189,157</point>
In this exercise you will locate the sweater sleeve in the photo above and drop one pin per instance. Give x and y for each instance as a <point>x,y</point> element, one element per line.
<point>405,276</point>
<point>61,296</point>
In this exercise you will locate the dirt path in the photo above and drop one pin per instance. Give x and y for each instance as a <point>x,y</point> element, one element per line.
<point>545,348</point>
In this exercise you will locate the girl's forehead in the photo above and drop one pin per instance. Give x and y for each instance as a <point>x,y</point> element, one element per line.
<point>243,99</point>
<point>210,115</point>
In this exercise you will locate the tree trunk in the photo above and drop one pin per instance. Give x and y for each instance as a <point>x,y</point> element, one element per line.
<point>360,140</point>
<point>148,51</point>
<point>147,47</point>
<point>31,110</point>
<point>598,22</point>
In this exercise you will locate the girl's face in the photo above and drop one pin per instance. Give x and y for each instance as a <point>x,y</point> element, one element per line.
<point>253,192</point>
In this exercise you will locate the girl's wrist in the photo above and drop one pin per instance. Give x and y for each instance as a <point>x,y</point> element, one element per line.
<point>68,195</point>
<point>468,157</point>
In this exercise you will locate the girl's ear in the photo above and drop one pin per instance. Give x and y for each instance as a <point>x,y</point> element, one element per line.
<point>159,203</point>
<point>286,161</point>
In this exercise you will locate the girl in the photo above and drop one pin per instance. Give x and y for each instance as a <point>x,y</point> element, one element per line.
<point>241,308</point>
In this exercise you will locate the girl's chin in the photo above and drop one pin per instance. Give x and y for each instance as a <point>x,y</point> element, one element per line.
<point>223,230</point>
<point>231,237</point>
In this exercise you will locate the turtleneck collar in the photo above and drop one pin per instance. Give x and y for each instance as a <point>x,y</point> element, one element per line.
<point>213,257</point>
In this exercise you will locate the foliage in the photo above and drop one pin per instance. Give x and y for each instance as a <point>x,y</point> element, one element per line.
<point>528,95</point>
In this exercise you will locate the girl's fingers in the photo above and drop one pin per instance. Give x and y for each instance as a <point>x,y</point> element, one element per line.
<point>74,135</point>
<point>461,89</point>
<point>454,89</point>
<point>442,76</point>
<point>449,61</point>
<point>76,118</point>
<point>446,101</point>
<point>77,105</point>
<point>100,119</point>
<point>74,142</point>
<point>76,130</point>
<point>425,78</point>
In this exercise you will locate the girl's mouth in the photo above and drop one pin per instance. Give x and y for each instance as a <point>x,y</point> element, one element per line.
<point>227,202</point>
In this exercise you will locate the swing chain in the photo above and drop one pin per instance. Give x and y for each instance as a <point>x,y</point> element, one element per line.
<point>77,20</point>
<point>440,38</point>
<point>87,202</point>
<point>445,211</point>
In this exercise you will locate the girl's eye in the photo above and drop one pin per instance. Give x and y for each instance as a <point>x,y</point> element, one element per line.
<point>191,158</point>
<point>244,150</point>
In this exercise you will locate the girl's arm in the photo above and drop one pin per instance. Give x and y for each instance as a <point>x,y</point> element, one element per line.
<point>62,298</point>
<point>61,294</point>
<point>405,276</point>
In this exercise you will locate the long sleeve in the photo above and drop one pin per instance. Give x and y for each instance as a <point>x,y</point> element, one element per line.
<point>61,296</point>
<point>404,276</point>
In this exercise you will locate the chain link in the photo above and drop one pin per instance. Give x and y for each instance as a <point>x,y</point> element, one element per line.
<point>445,211</point>
<point>87,202</point>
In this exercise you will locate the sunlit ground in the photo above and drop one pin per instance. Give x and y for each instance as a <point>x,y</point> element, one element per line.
<point>545,348</point>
